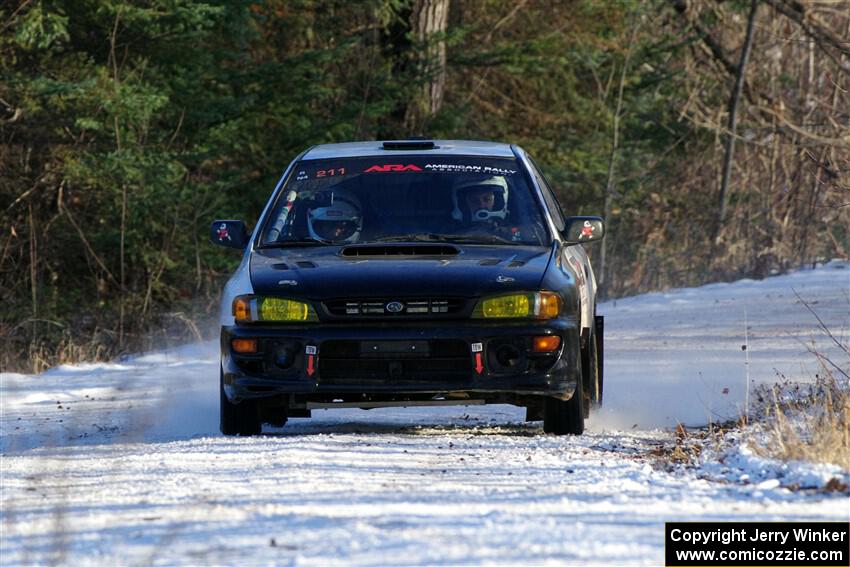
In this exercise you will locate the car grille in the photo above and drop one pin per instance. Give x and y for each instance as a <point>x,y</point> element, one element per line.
<point>390,307</point>
<point>348,362</point>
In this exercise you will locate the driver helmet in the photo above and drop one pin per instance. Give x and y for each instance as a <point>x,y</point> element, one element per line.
<point>337,219</point>
<point>465,190</point>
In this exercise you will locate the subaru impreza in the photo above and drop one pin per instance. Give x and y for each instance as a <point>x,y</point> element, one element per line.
<point>410,273</point>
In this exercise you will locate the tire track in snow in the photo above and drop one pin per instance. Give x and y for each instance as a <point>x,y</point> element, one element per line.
<point>135,471</point>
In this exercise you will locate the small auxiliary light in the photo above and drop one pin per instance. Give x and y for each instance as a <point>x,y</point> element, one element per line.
<point>547,343</point>
<point>244,346</point>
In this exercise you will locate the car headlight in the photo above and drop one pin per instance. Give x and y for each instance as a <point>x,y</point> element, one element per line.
<point>530,305</point>
<point>252,309</point>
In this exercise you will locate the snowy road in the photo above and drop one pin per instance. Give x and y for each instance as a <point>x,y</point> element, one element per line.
<point>122,463</point>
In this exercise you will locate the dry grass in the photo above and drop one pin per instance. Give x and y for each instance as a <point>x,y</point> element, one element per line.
<point>37,345</point>
<point>810,422</point>
<point>807,423</point>
<point>788,421</point>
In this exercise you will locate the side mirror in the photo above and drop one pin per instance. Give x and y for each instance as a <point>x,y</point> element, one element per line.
<point>229,233</point>
<point>583,229</point>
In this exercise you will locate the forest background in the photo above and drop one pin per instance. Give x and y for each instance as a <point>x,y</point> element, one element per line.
<point>713,135</point>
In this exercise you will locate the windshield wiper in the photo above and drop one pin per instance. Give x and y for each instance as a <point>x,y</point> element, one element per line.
<point>457,238</point>
<point>478,239</point>
<point>413,237</point>
<point>294,243</point>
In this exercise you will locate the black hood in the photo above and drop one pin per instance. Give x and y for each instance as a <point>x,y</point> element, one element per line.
<point>321,273</point>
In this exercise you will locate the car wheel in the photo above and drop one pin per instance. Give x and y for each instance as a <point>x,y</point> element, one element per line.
<point>565,418</point>
<point>237,419</point>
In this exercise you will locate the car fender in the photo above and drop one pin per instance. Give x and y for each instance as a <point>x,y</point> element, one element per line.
<point>238,284</point>
<point>576,258</point>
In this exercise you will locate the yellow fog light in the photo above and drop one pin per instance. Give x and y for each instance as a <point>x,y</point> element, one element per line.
<point>507,306</point>
<point>531,305</point>
<point>274,309</point>
<point>251,309</point>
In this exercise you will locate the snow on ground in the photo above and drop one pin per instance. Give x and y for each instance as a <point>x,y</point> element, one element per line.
<point>123,463</point>
<point>676,357</point>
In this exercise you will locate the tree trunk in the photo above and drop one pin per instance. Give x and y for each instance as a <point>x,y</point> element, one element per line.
<point>733,122</point>
<point>428,24</point>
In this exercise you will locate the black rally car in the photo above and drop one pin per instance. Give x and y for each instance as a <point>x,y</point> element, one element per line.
<point>410,273</point>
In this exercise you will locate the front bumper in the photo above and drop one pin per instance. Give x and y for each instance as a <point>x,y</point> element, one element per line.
<point>449,357</point>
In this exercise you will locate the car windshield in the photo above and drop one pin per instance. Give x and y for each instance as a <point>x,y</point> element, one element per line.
<point>406,198</point>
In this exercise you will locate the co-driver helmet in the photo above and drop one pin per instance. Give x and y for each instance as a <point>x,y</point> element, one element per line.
<point>497,184</point>
<point>339,219</point>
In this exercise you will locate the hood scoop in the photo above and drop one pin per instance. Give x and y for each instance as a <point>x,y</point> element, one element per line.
<point>392,250</point>
<point>490,262</point>
<point>305,264</point>
<point>516,264</point>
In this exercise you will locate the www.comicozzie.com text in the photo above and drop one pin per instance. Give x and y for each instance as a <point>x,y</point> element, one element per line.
<point>743,534</point>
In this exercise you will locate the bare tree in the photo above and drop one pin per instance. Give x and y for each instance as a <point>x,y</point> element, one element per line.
<point>733,121</point>
<point>428,25</point>
<point>615,146</point>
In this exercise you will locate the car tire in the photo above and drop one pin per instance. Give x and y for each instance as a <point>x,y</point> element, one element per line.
<point>237,419</point>
<point>565,417</point>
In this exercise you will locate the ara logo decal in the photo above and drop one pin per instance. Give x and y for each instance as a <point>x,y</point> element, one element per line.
<point>222,232</point>
<point>392,167</point>
<point>586,230</point>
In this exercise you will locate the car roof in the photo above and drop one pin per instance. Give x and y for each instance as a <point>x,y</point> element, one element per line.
<point>408,147</point>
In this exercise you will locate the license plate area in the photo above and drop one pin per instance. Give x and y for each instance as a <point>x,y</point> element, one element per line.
<point>394,349</point>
